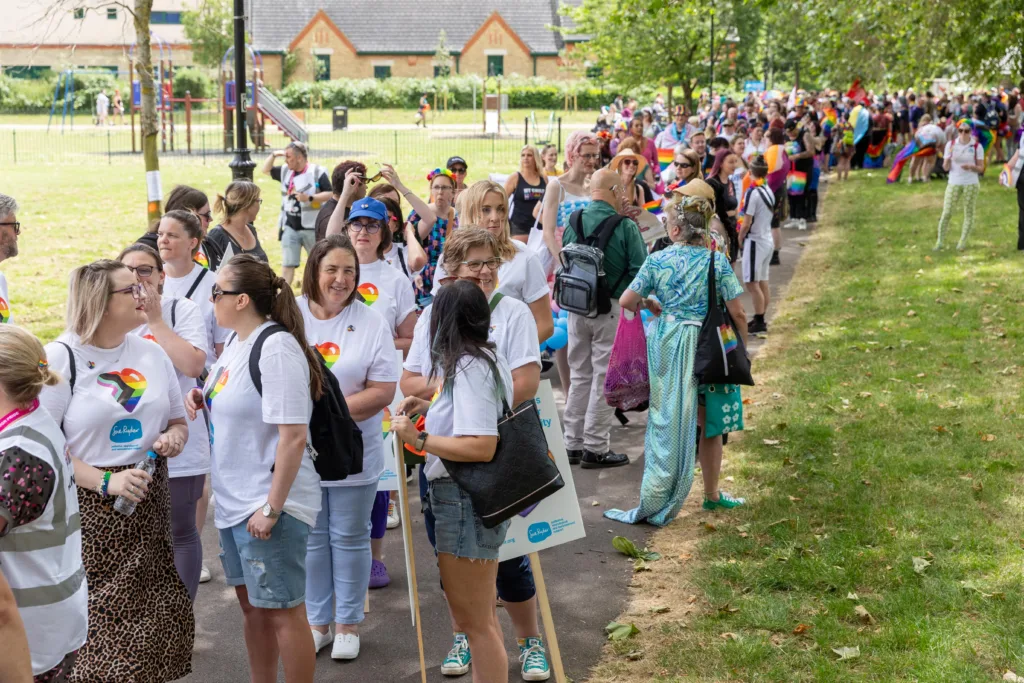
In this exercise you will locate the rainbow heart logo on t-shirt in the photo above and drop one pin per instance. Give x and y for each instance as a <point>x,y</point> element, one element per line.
<point>5,311</point>
<point>369,292</point>
<point>218,386</point>
<point>330,352</point>
<point>201,259</point>
<point>149,337</point>
<point>387,422</point>
<point>126,386</point>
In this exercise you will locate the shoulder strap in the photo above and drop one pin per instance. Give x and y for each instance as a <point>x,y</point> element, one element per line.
<point>498,296</point>
<point>401,259</point>
<point>254,356</point>
<point>174,319</point>
<point>195,284</point>
<point>764,197</point>
<point>603,234</point>
<point>72,371</point>
<point>576,223</point>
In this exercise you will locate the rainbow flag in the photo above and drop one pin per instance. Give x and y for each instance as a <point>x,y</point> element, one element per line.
<point>913,149</point>
<point>728,338</point>
<point>665,157</point>
<point>860,119</point>
<point>830,120</point>
<point>654,206</point>
<point>875,155</point>
<point>796,182</point>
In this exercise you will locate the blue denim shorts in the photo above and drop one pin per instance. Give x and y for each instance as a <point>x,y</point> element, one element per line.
<point>273,571</point>
<point>458,530</point>
<point>292,244</point>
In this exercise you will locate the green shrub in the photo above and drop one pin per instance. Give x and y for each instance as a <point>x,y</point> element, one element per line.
<point>23,96</point>
<point>197,83</point>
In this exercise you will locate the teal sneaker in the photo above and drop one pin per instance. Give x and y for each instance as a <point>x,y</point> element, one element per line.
<point>725,502</point>
<point>534,659</point>
<point>459,658</point>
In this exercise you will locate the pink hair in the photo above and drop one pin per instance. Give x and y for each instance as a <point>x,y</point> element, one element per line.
<point>578,139</point>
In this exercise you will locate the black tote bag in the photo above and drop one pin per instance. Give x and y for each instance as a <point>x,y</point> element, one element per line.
<point>721,355</point>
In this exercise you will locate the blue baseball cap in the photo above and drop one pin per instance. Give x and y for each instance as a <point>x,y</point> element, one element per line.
<point>370,208</point>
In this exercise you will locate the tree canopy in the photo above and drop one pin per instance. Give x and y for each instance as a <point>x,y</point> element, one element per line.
<point>209,28</point>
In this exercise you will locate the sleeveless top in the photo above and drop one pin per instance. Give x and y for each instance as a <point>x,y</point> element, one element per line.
<point>524,199</point>
<point>434,246</point>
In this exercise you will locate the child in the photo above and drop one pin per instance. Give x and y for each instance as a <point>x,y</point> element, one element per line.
<point>843,143</point>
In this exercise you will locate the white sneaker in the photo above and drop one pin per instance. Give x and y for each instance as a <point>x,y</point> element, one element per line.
<point>204,574</point>
<point>346,646</point>
<point>802,225</point>
<point>322,640</point>
<point>393,519</point>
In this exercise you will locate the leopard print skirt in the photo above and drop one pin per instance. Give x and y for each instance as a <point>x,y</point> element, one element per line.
<point>141,625</point>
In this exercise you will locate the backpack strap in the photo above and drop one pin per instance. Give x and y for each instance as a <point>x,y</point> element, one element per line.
<point>174,318</point>
<point>401,260</point>
<point>576,223</point>
<point>73,372</point>
<point>603,234</point>
<point>495,300</point>
<point>256,352</point>
<point>195,284</point>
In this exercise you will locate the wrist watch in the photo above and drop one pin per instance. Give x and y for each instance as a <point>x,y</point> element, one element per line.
<point>269,512</point>
<point>421,441</point>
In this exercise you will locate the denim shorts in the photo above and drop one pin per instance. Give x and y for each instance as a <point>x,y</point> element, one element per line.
<point>273,571</point>
<point>292,244</point>
<point>458,530</point>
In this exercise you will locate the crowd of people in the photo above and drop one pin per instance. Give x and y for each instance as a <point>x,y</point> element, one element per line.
<point>188,372</point>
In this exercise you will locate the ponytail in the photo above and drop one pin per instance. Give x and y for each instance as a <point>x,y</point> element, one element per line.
<point>272,298</point>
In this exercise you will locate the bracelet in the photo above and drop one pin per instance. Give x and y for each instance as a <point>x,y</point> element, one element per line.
<point>105,485</point>
<point>407,193</point>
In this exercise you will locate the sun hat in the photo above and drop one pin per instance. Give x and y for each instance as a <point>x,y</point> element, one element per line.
<point>624,154</point>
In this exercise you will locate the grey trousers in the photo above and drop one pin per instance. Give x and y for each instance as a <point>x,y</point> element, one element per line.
<point>588,417</point>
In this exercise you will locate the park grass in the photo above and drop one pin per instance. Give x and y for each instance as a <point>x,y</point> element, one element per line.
<point>886,426</point>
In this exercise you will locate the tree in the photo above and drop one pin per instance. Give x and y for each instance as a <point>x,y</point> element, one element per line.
<point>209,29</point>
<point>442,56</point>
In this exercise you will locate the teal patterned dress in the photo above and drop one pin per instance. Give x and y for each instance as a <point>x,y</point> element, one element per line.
<point>678,278</point>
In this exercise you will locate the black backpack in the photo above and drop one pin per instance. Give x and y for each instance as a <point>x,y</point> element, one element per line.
<point>336,440</point>
<point>580,284</point>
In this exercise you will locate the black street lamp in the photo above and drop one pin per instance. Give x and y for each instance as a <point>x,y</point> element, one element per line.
<point>242,165</point>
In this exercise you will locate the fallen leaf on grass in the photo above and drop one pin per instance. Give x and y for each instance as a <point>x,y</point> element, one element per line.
<point>852,596</point>
<point>847,652</point>
<point>728,608</point>
<point>864,615</point>
<point>941,430</point>
<point>958,290</point>
<point>770,442</point>
<point>660,610</point>
<point>800,629</point>
<point>911,313</point>
<point>617,631</point>
<point>988,437</point>
<point>747,401</point>
<point>729,636</point>
<point>922,374</point>
<point>866,482</point>
<point>794,499</point>
<point>920,564</point>
<point>629,549</point>
<point>865,394</point>
<point>709,527</point>
<point>635,655</point>
<point>817,355</point>
<point>971,585</point>
<point>640,566</point>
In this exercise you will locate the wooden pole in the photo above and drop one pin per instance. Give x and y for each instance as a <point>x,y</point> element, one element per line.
<point>188,120</point>
<point>403,501</point>
<point>131,97</point>
<point>550,637</point>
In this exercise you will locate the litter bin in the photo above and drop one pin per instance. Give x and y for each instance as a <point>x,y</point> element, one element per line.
<point>340,119</point>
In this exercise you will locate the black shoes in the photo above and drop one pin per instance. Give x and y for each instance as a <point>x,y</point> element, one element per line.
<point>574,457</point>
<point>757,325</point>
<point>609,459</point>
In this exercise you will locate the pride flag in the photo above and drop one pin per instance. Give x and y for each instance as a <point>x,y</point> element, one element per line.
<point>913,149</point>
<point>654,206</point>
<point>728,337</point>
<point>830,120</point>
<point>773,156</point>
<point>665,157</point>
<point>875,155</point>
<point>796,182</point>
<point>860,119</point>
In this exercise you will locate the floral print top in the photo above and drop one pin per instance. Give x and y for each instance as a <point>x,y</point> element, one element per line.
<point>434,246</point>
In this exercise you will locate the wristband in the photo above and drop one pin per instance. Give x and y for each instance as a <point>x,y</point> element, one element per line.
<point>105,485</point>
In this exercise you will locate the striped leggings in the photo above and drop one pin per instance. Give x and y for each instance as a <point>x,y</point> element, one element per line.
<point>954,193</point>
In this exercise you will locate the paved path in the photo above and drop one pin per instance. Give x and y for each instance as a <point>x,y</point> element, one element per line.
<point>586,579</point>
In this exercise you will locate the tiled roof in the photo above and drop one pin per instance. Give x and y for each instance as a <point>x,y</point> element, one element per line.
<point>406,26</point>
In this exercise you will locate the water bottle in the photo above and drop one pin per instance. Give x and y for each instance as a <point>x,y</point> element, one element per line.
<point>148,465</point>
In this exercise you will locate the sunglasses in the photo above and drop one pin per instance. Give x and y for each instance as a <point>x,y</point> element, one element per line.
<point>460,171</point>
<point>371,179</point>
<point>142,271</point>
<point>16,225</point>
<point>629,162</point>
<point>216,293</point>
<point>678,164</point>
<point>135,290</point>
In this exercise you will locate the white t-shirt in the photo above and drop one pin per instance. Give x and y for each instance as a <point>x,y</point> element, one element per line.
<point>189,325</point>
<point>931,134</point>
<point>177,288</point>
<point>358,347</point>
<point>758,208</point>
<point>513,332</point>
<point>122,401</point>
<point>5,302</point>
<point>392,258</point>
<point>243,428</point>
<point>388,292</point>
<point>752,149</point>
<point>971,153</point>
<point>521,278</point>
<point>470,408</point>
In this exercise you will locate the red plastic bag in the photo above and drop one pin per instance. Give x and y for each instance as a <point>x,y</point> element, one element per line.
<point>626,385</point>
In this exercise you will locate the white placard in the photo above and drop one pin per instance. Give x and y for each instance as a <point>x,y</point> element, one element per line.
<point>556,519</point>
<point>393,468</point>
<point>154,191</point>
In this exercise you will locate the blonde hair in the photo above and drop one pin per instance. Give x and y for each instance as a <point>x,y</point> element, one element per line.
<point>88,296</point>
<point>465,238</point>
<point>538,165</point>
<point>239,196</point>
<point>631,144</point>
<point>23,368</point>
<point>468,205</point>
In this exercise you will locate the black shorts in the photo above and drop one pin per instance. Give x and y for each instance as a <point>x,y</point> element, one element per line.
<point>520,228</point>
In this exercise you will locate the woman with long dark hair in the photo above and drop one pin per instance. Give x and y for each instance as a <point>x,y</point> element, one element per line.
<point>725,197</point>
<point>462,426</point>
<point>267,490</point>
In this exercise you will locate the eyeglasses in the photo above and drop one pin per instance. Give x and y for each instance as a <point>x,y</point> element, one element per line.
<point>216,293</point>
<point>446,188</point>
<point>590,157</point>
<point>477,266</point>
<point>142,271</point>
<point>16,225</point>
<point>460,171</point>
<point>370,228</point>
<point>680,164</point>
<point>208,216</point>
<point>135,290</point>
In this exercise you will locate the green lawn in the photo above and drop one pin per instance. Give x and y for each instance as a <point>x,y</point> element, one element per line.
<point>882,464</point>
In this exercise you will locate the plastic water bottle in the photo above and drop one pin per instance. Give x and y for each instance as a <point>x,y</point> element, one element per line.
<point>148,465</point>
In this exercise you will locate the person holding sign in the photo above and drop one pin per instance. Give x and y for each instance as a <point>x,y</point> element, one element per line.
<point>462,426</point>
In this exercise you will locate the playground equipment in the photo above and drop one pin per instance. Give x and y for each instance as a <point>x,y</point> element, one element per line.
<point>66,83</point>
<point>258,107</point>
<point>164,80</point>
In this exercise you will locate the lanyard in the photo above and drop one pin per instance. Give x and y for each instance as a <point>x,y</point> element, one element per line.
<point>291,181</point>
<point>17,413</point>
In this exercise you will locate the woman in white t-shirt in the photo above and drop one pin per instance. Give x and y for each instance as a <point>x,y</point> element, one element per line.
<point>177,326</point>
<point>462,425</point>
<point>515,337</point>
<point>964,160</point>
<point>756,144</point>
<point>38,501</point>
<point>121,399</point>
<point>520,276</point>
<point>267,490</point>
<point>357,345</point>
